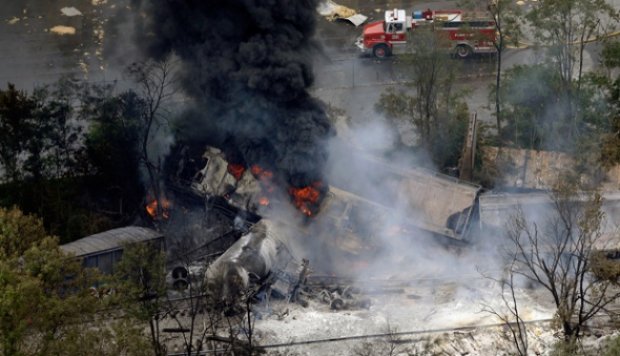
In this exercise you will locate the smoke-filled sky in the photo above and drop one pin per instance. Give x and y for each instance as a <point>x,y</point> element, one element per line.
<point>247,63</point>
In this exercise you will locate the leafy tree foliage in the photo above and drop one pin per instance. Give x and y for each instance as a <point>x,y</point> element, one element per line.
<point>78,182</point>
<point>43,293</point>
<point>430,103</point>
<point>540,119</point>
<point>46,304</point>
<point>140,284</point>
<point>610,153</point>
<point>112,151</point>
<point>16,111</point>
<point>555,105</point>
<point>505,15</point>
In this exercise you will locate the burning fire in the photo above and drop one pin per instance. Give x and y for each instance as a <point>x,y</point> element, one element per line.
<point>236,170</point>
<point>151,209</point>
<point>265,177</point>
<point>304,198</point>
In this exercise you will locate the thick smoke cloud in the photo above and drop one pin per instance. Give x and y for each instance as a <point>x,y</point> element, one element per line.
<point>247,63</point>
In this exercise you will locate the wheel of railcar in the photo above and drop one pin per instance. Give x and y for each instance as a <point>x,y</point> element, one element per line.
<point>381,51</point>
<point>463,51</point>
<point>180,272</point>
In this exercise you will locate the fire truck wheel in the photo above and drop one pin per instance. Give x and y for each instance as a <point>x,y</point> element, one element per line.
<point>463,51</point>
<point>381,51</point>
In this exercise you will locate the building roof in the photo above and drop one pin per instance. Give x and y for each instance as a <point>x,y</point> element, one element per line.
<point>110,240</point>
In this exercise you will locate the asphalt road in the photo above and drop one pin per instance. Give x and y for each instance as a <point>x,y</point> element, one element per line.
<point>33,54</point>
<point>348,81</point>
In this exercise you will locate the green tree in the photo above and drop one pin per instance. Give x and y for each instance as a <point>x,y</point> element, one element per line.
<point>112,151</point>
<point>140,284</point>
<point>610,152</point>
<point>44,294</point>
<point>430,102</point>
<point>528,95</point>
<point>505,15</point>
<point>563,28</point>
<point>16,110</point>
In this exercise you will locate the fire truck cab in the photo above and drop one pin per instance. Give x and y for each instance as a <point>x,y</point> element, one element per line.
<point>465,35</point>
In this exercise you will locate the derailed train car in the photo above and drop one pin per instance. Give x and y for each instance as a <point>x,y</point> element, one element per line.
<point>347,227</point>
<point>422,192</point>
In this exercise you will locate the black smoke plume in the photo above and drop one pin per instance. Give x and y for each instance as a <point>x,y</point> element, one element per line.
<point>247,63</point>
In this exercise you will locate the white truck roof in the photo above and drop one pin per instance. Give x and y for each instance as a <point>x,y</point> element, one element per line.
<point>396,15</point>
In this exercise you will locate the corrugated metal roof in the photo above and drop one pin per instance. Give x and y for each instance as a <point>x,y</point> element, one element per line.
<point>110,240</point>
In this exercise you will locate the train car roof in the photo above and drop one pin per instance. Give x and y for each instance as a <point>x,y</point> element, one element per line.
<point>496,209</point>
<point>110,240</point>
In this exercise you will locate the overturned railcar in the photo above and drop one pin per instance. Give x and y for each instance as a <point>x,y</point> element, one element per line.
<point>434,202</point>
<point>428,201</point>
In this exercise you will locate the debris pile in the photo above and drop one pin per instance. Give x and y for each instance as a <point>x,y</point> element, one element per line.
<point>332,12</point>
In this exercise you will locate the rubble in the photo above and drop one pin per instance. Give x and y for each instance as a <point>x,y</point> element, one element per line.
<point>332,12</point>
<point>63,30</point>
<point>70,11</point>
<point>248,261</point>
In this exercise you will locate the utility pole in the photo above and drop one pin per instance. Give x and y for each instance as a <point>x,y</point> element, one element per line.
<point>468,154</point>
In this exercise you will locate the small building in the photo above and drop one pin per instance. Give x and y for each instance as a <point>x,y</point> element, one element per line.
<point>105,249</point>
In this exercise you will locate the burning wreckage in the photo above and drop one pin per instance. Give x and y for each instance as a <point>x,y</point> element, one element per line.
<point>346,228</point>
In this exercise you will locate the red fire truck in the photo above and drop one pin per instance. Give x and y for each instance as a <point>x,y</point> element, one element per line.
<point>466,34</point>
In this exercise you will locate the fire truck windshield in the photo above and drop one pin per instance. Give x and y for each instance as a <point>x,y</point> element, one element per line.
<point>393,27</point>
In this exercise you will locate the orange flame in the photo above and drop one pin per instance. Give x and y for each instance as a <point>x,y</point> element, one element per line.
<point>236,170</point>
<point>151,209</point>
<point>264,201</point>
<point>264,177</point>
<point>260,172</point>
<point>304,197</point>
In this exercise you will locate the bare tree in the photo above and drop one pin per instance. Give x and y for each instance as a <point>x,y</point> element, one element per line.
<point>192,313</point>
<point>156,87</point>
<point>432,82</point>
<point>512,319</point>
<point>505,15</point>
<point>556,254</point>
